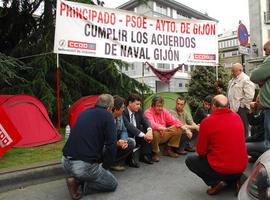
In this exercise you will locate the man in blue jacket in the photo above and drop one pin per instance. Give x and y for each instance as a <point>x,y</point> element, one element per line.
<point>91,149</point>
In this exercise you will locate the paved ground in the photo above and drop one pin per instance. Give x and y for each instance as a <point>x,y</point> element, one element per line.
<point>167,180</point>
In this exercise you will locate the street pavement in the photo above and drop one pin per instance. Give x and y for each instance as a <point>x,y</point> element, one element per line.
<point>167,180</point>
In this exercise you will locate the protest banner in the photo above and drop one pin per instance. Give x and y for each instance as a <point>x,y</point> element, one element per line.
<point>88,30</point>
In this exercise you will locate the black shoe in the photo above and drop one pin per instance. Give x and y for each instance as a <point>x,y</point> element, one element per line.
<point>133,163</point>
<point>146,159</point>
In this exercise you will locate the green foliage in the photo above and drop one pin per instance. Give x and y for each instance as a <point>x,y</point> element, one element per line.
<point>11,79</point>
<point>19,157</point>
<point>30,37</point>
<point>203,83</point>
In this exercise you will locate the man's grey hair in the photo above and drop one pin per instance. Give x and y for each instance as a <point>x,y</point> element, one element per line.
<point>104,101</point>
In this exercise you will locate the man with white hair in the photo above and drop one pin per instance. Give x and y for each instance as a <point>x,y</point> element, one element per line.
<point>240,93</point>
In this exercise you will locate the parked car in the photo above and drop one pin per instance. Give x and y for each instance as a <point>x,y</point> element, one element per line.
<point>257,186</point>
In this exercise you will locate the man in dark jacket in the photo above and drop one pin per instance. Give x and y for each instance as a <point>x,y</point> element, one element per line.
<point>255,142</point>
<point>138,127</point>
<point>92,140</point>
<point>125,145</point>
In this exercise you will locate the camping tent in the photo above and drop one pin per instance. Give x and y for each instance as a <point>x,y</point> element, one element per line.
<point>30,118</point>
<point>80,105</point>
<point>169,100</point>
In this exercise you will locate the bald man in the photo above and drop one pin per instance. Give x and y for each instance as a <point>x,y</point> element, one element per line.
<point>261,76</point>
<point>222,155</point>
<point>240,93</point>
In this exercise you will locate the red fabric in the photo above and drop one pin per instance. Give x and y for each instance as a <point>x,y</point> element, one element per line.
<point>165,75</point>
<point>9,135</point>
<point>79,106</point>
<point>30,118</point>
<point>222,139</point>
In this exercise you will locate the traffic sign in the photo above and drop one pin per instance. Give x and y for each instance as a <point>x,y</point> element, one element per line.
<point>242,34</point>
<point>243,50</point>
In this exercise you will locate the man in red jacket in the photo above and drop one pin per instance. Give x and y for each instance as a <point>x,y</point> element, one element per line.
<point>222,155</point>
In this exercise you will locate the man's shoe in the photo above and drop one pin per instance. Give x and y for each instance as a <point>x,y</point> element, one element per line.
<point>168,152</point>
<point>155,157</point>
<point>133,163</point>
<point>145,159</point>
<point>181,152</point>
<point>118,168</point>
<point>190,149</point>
<point>216,188</point>
<point>73,188</point>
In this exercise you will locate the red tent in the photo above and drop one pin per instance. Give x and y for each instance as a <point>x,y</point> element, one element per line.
<point>29,116</point>
<point>80,105</point>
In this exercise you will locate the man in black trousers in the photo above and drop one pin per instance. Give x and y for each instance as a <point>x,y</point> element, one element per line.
<point>138,127</point>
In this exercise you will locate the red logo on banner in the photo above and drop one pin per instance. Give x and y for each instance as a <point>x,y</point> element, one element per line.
<point>204,56</point>
<point>81,45</point>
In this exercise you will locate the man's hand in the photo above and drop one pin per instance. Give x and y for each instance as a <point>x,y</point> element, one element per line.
<point>197,127</point>
<point>253,106</point>
<point>189,133</point>
<point>162,131</point>
<point>122,144</point>
<point>148,136</point>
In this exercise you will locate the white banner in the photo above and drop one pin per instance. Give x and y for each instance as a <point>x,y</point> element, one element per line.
<point>88,30</point>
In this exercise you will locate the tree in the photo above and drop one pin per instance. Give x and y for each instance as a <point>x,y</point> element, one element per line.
<point>203,83</point>
<point>24,34</point>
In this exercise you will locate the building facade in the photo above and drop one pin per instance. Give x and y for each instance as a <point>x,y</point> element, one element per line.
<point>229,52</point>
<point>141,71</point>
<point>259,15</point>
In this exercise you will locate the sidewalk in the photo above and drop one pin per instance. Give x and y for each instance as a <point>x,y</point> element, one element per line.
<point>168,179</point>
<point>14,178</point>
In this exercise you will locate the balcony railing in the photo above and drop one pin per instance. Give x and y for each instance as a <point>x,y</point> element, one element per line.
<point>267,17</point>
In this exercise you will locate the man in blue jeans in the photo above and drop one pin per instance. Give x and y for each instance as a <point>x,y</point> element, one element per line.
<point>91,149</point>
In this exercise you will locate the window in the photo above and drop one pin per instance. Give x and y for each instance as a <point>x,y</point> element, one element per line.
<point>181,68</point>
<point>163,66</point>
<point>234,53</point>
<point>186,68</point>
<point>161,9</point>
<point>132,67</point>
<point>180,85</point>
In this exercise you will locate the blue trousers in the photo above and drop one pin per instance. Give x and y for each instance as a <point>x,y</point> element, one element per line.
<point>93,176</point>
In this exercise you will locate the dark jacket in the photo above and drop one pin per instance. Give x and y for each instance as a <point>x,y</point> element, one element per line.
<point>200,114</point>
<point>256,120</point>
<point>93,137</point>
<point>142,123</point>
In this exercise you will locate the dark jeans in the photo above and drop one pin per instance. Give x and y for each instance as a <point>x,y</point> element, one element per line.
<point>201,167</point>
<point>256,149</point>
<point>186,142</point>
<point>145,147</point>
<point>93,175</point>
